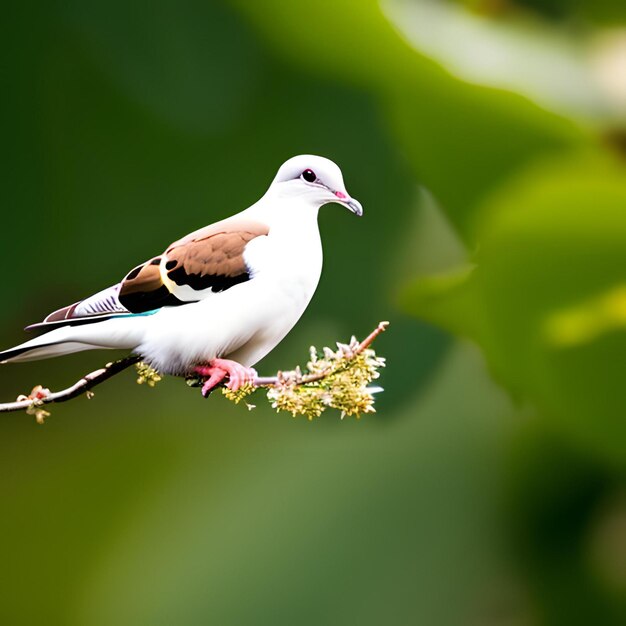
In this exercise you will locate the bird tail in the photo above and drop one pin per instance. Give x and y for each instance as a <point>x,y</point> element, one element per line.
<point>54,343</point>
<point>109,334</point>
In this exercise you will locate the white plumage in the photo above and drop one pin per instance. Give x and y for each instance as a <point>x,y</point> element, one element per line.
<point>230,291</point>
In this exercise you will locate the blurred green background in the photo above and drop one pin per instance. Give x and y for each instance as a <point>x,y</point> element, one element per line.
<point>486,140</point>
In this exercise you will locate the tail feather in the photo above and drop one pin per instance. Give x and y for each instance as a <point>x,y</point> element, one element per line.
<point>114,333</point>
<point>54,343</point>
<point>35,353</point>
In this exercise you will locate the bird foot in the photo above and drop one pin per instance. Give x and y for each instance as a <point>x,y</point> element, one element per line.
<point>218,369</point>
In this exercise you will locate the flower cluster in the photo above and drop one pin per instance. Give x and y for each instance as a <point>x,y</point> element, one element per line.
<point>239,395</point>
<point>336,379</point>
<point>147,374</point>
<point>37,396</point>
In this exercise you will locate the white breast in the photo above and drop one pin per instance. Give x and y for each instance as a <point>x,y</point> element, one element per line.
<point>286,269</point>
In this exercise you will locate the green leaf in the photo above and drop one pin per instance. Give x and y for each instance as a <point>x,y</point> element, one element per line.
<point>447,300</point>
<point>547,295</point>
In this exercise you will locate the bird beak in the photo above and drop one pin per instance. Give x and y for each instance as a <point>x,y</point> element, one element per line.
<point>350,203</point>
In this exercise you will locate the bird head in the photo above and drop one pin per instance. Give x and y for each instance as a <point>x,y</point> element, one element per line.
<point>315,179</point>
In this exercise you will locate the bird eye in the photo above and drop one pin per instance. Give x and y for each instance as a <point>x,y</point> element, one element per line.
<point>309,176</point>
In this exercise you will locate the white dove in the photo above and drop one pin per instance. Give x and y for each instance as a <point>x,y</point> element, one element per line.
<point>218,300</point>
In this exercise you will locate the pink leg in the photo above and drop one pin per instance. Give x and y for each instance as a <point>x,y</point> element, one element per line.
<point>215,376</point>
<point>218,369</point>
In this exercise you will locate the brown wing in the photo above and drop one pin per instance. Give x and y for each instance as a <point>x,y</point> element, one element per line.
<point>143,289</point>
<point>204,262</point>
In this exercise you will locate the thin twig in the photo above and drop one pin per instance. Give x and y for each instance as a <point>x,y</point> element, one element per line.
<point>269,381</point>
<point>86,383</point>
<point>40,396</point>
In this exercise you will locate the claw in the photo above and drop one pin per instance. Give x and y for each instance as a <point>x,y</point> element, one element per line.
<point>216,376</point>
<point>218,369</point>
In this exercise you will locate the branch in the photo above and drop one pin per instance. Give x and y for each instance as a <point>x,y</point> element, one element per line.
<point>270,381</point>
<point>338,379</point>
<point>41,396</point>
